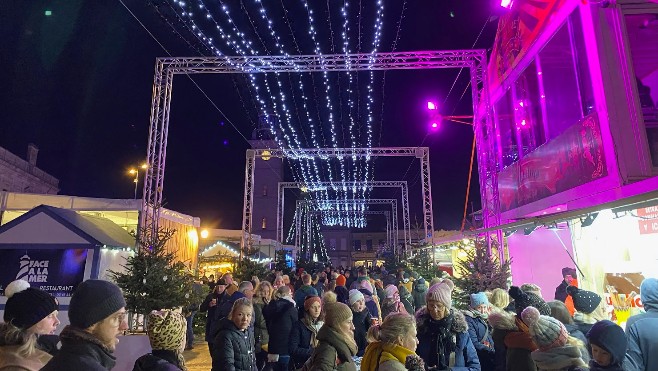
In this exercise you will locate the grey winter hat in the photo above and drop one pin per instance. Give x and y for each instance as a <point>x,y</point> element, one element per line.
<point>93,301</point>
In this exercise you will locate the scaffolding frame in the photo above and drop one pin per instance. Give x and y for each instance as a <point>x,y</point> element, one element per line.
<point>393,202</point>
<point>165,69</point>
<point>402,184</point>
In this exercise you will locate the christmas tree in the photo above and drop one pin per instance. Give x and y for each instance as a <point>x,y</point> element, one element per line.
<point>422,262</point>
<point>154,279</point>
<point>478,272</point>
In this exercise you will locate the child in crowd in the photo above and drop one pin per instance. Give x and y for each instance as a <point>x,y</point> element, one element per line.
<point>361,319</point>
<point>607,343</point>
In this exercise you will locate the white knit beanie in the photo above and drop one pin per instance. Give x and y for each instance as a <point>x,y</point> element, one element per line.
<point>355,295</point>
<point>441,292</point>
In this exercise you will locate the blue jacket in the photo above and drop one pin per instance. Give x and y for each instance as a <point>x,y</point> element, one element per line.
<point>466,358</point>
<point>641,331</point>
<point>480,333</point>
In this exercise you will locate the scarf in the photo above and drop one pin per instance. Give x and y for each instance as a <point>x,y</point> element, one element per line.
<point>383,352</point>
<point>314,327</point>
<point>476,313</point>
<point>445,339</point>
<point>558,358</point>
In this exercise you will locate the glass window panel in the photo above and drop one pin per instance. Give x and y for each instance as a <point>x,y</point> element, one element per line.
<point>643,38</point>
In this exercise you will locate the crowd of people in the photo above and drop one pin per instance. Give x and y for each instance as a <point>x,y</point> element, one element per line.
<point>336,319</point>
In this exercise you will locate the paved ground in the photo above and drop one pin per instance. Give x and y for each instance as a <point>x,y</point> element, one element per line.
<point>198,359</point>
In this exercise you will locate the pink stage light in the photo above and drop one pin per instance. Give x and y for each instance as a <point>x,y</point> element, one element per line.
<point>434,125</point>
<point>506,3</point>
<point>431,106</point>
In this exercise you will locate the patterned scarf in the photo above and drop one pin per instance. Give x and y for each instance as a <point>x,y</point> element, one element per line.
<point>445,340</point>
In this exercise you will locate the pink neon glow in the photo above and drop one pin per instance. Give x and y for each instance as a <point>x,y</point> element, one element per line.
<point>435,125</point>
<point>523,123</point>
<point>506,3</point>
<point>431,106</point>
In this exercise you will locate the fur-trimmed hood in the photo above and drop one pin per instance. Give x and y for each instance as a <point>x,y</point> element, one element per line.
<point>458,323</point>
<point>503,321</point>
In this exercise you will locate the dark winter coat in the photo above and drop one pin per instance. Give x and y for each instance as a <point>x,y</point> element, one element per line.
<point>370,303</point>
<point>280,315</point>
<point>641,330</point>
<point>480,333</point>
<point>575,332</point>
<point>561,291</point>
<point>342,295</point>
<point>465,357</point>
<point>300,343</point>
<point>80,351</point>
<point>512,342</point>
<point>381,294</point>
<point>419,291</point>
<point>261,335</point>
<point>332,353</point>
<point>406,299</point>
<point>583,327</point>
<point>157,360</point>
<point>302,293</point>
<point>234,349</point>
<point>361,321</point>
<point>210,318</point>
<point>319,287</point>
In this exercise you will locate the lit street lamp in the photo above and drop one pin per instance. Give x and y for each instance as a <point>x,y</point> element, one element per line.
<point>136,179</point>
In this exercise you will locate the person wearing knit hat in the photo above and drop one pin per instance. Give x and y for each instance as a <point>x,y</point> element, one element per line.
<point>371,299</point>
<point>641,329</point>
<point>392,303</point>
<point>443,339</point>
<point>568,275</point>
<point>361,319</point>
<point>166,331</point>
<point>523,299</point>
<point>304,333</point>
<point>341,291</point>
<point>30,313</point>
<point>336,345</point>
<point>341,280</point>
<point>97,315</point>
<point>556,349</point>
<point>479,329</point>
<point>608,345</point>
<point>590,308</point>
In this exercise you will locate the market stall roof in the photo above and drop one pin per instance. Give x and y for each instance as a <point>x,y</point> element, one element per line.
<point>44,224</point>
<point>625,204</point>
<point>221,246</point>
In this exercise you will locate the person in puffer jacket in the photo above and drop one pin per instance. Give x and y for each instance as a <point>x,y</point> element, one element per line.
<point>443,341</point>
<point>280,316</point>
<point>418,292</point>
<point>234,344</point>
<point>479,329</point>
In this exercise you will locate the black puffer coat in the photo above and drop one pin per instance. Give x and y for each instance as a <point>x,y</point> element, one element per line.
<point>419,292</point>
<point>234,349</point>
<point>158,360</point>
<point>80,351</point>
<point>280,315</point>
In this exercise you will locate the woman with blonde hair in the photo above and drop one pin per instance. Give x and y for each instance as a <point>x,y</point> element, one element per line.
<point>499,300</point>
<point>262,297</point>
<point>391,344</point>
<point>336,344</point>
<point>234,350</point>
<point>29,313</point>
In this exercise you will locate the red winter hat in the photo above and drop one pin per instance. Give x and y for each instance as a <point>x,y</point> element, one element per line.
<point>341,280</point>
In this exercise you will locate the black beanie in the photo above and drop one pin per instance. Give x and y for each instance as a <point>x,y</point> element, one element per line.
<point>26,306</point>
<point>584,301</point>
<point>523,299</point>
<point>93,301</point>
<point>607,335</point>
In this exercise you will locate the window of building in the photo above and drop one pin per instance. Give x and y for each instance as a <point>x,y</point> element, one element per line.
<point>369,245</point>
<point>356,245</point>
<point>642,30</point>
<point>551,94</point>
<point>263,223</point>
<point>343,244</point>
<point>265,190</point>
<point>332,243</point>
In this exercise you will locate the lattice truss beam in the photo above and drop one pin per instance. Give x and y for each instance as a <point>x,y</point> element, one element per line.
<point>373,201</point>
<point>401,184</point>
<point>166,68</point>
<point>387,216</point>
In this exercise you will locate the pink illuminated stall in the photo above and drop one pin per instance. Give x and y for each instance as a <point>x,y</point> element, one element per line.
<point>572,104</point>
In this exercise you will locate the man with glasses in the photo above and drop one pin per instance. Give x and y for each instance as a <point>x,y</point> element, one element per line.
<point>97,314</point>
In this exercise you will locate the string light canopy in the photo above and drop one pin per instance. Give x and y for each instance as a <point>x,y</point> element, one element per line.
<point>311,110</point>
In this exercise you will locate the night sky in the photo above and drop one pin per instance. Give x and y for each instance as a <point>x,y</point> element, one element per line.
<point>78,84</point>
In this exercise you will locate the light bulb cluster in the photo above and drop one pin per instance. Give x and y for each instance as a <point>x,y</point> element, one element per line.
<point>304,129</point>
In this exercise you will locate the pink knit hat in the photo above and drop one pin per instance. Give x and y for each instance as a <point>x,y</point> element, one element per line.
<point>390,291</point>
<point>366,285</point>
<point>441,292</point>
